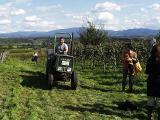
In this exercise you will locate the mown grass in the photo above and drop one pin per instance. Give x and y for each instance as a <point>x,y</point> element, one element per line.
<point>20,50</point>
<point>24,95</point>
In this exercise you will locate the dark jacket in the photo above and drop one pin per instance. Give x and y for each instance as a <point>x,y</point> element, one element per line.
<point>153,81</point>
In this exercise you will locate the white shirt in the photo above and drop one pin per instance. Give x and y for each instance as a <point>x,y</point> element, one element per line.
<point>62,48</point>
<point>36,54</point>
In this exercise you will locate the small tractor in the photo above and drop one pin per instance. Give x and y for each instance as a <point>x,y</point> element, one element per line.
<point>60,67</point>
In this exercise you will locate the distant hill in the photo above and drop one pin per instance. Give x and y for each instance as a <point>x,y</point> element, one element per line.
<point>141,32</point>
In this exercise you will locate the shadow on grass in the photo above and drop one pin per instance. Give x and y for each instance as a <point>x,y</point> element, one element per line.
<point>38,80</point>
<point>34,80</point>
<point>107,110</point>
<point>99,88</point>
<point>112,80</point>
<point>140,91</point>
<point>140,104</point>
<point>62,86</point>
<point>112,90</point>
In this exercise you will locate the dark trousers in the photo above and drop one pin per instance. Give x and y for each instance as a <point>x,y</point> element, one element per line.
<point>34,58</point>
<point>128,73</point>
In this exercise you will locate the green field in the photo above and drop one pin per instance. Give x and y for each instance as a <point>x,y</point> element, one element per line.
<point>24,95</point>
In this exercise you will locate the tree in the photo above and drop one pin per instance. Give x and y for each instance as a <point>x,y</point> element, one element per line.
<point>93,40</point>
<point>92,36</point>
<point>158,36</point>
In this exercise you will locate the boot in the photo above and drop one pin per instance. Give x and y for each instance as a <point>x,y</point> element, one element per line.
<point>150,110</point>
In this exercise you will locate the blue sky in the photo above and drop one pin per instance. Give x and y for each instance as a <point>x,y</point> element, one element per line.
<point>45,15</point>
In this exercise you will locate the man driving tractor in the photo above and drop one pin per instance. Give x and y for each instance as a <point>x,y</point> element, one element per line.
<point>62,48</point>
<point>60,65</point>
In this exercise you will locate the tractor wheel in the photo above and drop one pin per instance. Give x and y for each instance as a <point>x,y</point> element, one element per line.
<point>50,80</point>
<point>47,69</point>
<point>74,81</point>
<point>46,72</point>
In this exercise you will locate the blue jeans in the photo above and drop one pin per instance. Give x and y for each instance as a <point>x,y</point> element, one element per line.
<point>128,73</point>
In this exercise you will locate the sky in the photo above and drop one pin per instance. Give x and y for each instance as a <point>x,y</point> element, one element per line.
<point>46,15</point>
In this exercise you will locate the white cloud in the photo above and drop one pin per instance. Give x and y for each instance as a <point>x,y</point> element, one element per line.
<point>4,9</point>
<point>142,19</point>
<point>79,20</point>
<point>107,6</point>
<point>32,19</point>
<point>38,23</point>
<point>56,16</point>
<point>68,14</point>
<point>8,4</point>
<point>78,17</point>
<point>22,1</point>
<point>49,8</point>
<point>105,16</point>
<point>155,7</point>
<point>144,10</point>
<point>42,25</point>
<point>154,20</point>
<point>133,23</point>
<point>5,22</point>
<point>8,10</point>
<point>149,22</point>
<point>18,12</point>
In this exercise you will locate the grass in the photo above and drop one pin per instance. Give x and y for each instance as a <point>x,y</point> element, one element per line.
<point>24,95</point>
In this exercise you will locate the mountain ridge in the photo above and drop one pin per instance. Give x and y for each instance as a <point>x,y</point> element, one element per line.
<point>137,32</point>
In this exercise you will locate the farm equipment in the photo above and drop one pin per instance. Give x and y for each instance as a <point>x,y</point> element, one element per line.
<point>60,67</point>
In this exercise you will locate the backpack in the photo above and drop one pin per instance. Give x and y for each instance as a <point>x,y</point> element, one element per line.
<point>138,67</point>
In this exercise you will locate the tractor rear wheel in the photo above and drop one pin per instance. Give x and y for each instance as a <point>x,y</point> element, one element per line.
<point>74,81</point>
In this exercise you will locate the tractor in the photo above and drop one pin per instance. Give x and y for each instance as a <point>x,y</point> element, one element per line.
<point>60,67</point>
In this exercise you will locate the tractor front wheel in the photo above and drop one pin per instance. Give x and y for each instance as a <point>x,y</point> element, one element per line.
<point>50,80</point>
<point>74,81</point>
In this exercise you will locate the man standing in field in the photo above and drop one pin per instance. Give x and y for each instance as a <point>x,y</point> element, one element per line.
<point>152,43</point>
<point>62,48</point>
<point>35,57</point>
<point>153,81</point>
<point>129,58</point>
